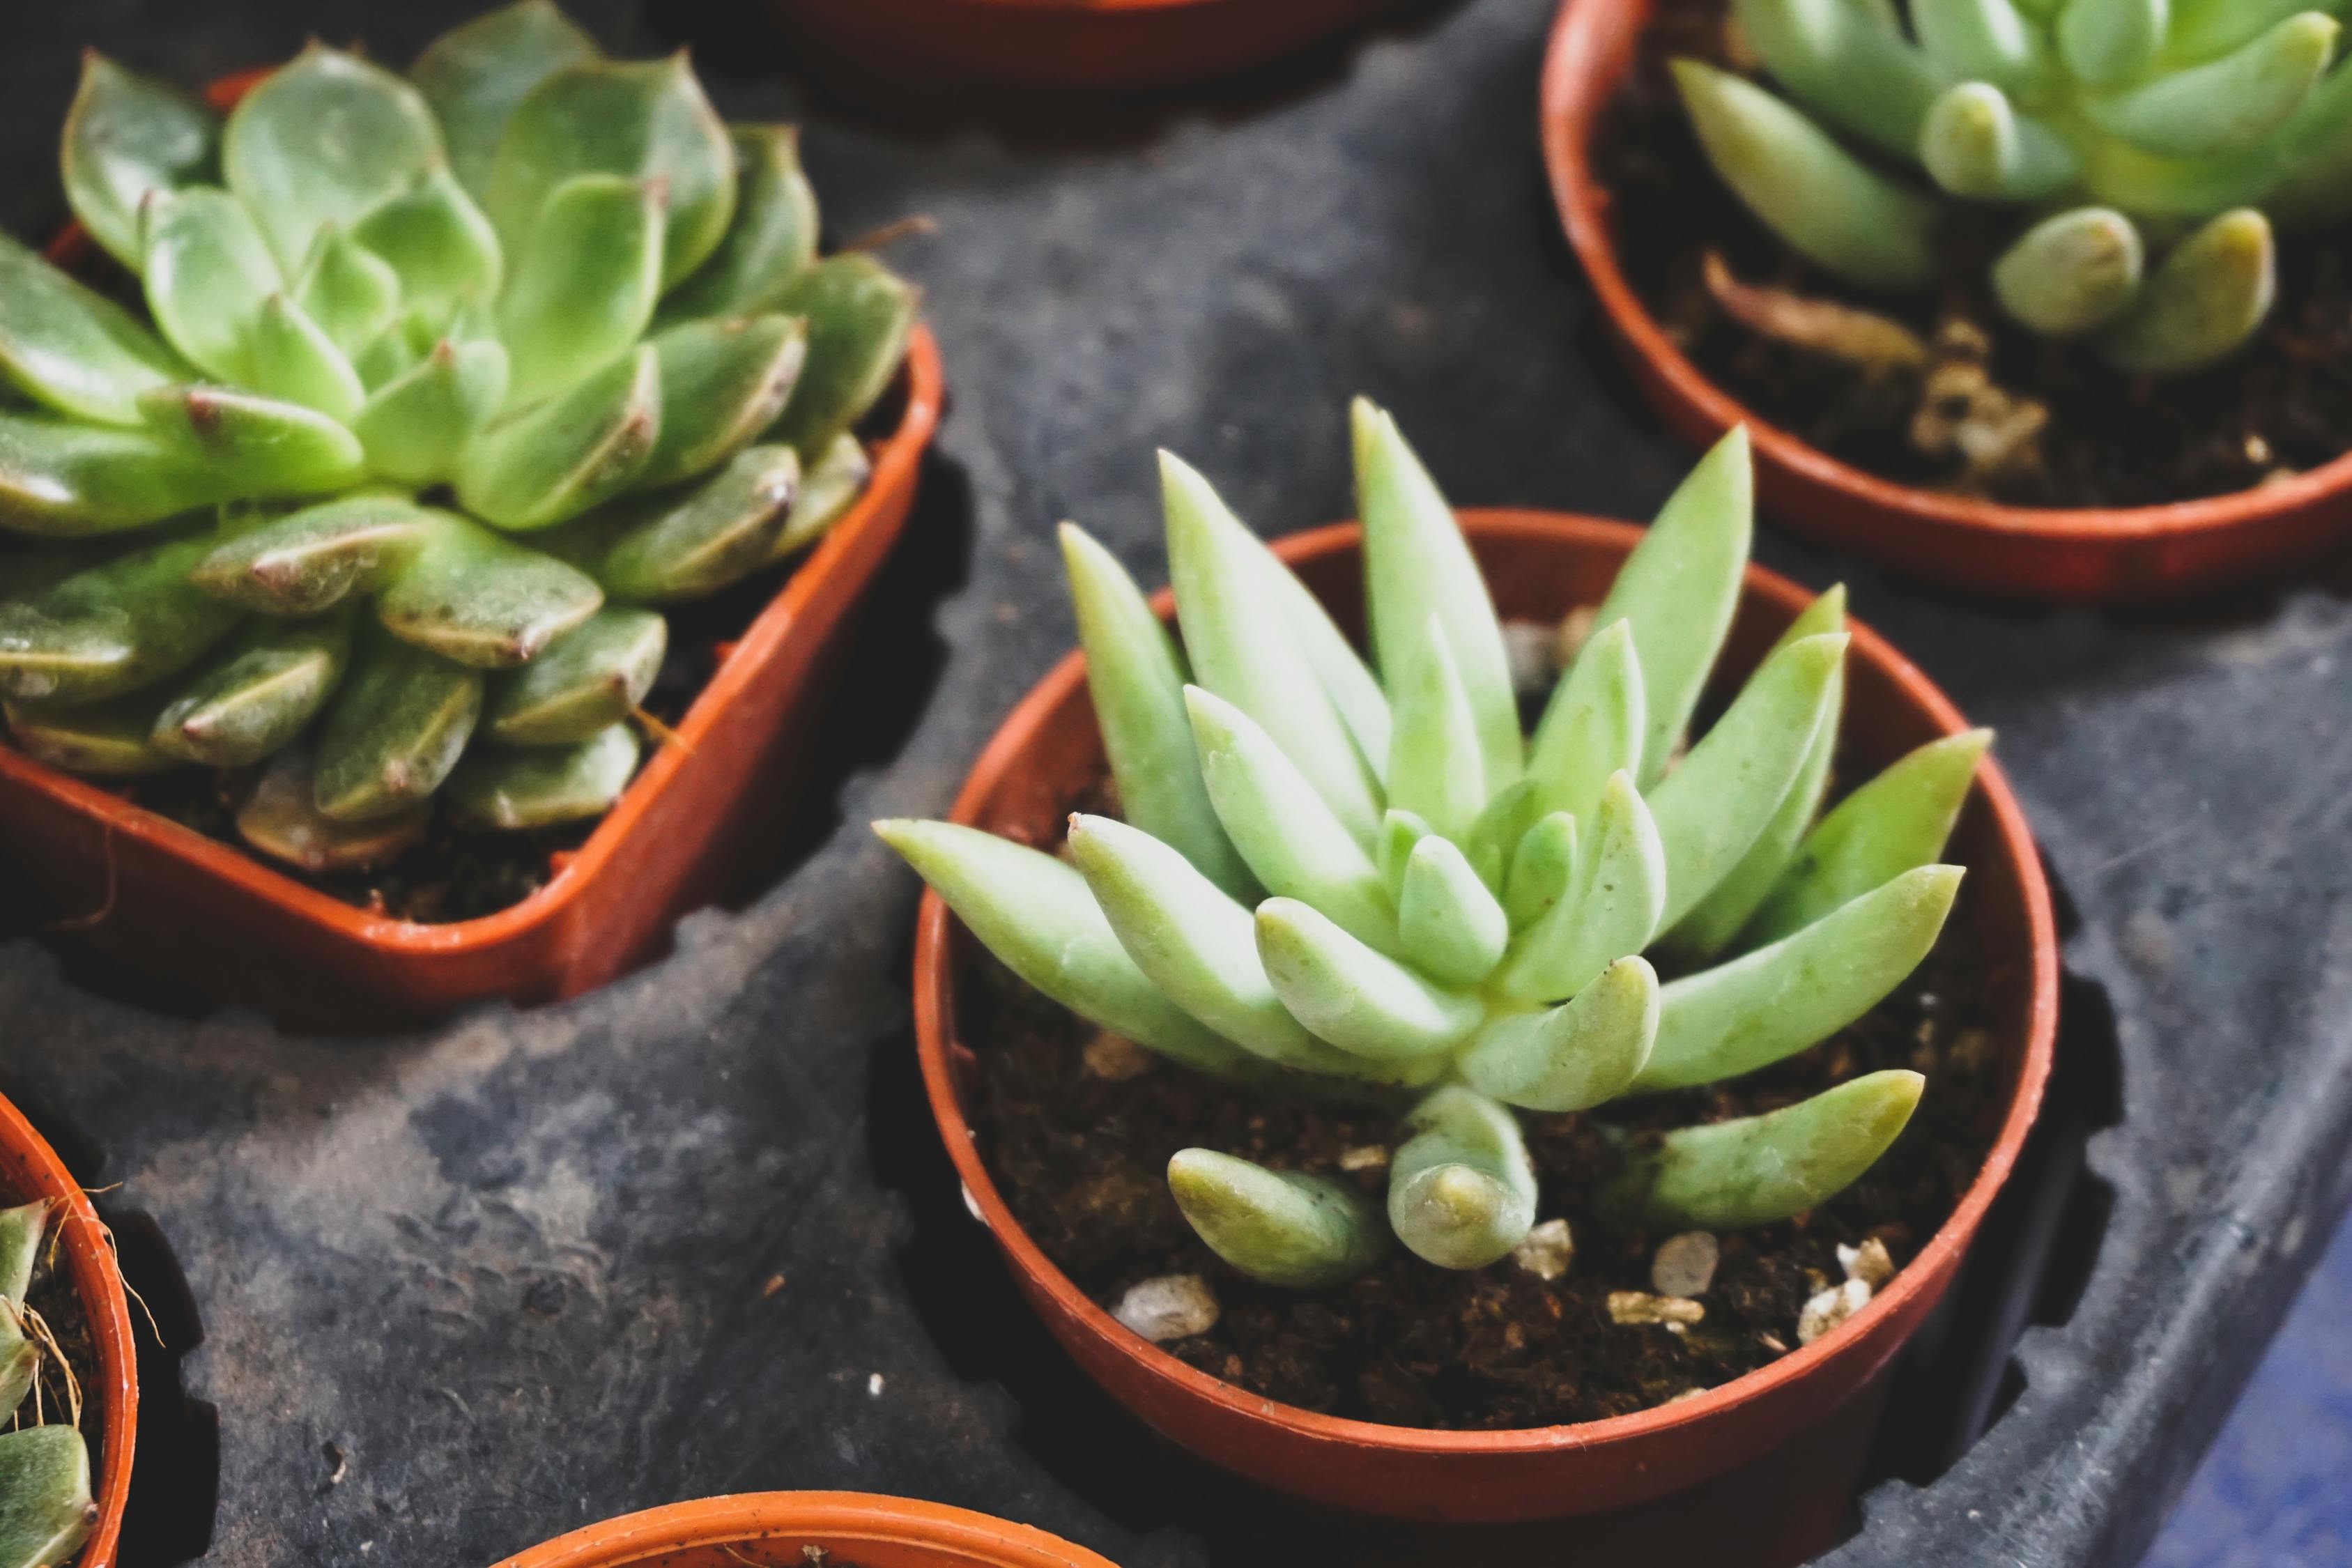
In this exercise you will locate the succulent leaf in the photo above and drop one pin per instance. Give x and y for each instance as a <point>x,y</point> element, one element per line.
<point>1281,1226</point>
<point>71,348</point>
<point>1400,832</point>
<point>2225,104</point>
<point>683,545</point>
<point>207,271</point>
<point>544,787</point>
<point>585,281</point>
<point>1989,40</point>
<point>2070,274</point>
<point>395,730</point>
<point>2201,29</point>
<point>1865,75</point>
<point>70,481</point>
<point>1363,706</point>
<point>1976,143</point>
<point>417,426</point>
<point>111,628</point>
<point>589,679</point>
<point>321,141</point>
<point>556,459</point>
<point>476,74</point>
<point>2204,300</point>
<point>771,239</point>
<point>1543,868</point>
<point>21,1229</point>
<point>1435,770</point>
<point>1462,1192</point>
<point>1446,918</point>
<point>1610,908</point>
<point>257,696</point>
<point>281,818</point>
<point>307,561</point>
<point>1596,723</point>
<point>126,135</point>
<point>1360,1000</point>
<point>294,360</point>
<point>723,381</point>
<point>858,318</point>
<point>830,489</point>
<point>2108,42</point>
<point>46,1509</point>
<point>348,290</point>
<point>474,596</point>
<point>438,244</point>
<point>1496,832</point>
<point>109,739</point>
<point>255,448</point>
<point>1582,1053</point>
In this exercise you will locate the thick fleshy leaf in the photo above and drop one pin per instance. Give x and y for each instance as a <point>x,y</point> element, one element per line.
<point>773,235</point>
<point>474,596</point>
<point>1417,566</point>
<point>395,730</point>
<point>1135,677</point>
<point>1596,723</point>
<point>207,271</point>
<point>1034,913</point>
<point>1735,1175</point>
<point>256,447</point>
<point>592,677</point>
<point>1284,1227</point>
<point>281,818</point>
<point>296,362</point>
<point>1361,1001</point>
<point>475,74</point>
<point>68,480</point>
<point>114,739</point>
<point>1394,845</point>
<point>685,545</point>
<point>1449,923</point>
<point>1851,60</point>
<point>1983,40</point>
<point>415,426</point>
<point>829,490</point>
<point>46,1509</point>
<point>1609,909</point>
<point>1461,1191</point>
<point>543,464</point>
<point>1776,1001</point>
<point>1317,639</point>
<point>73,349</point>
<point>1496,832</point>
<point>111,629</point>
<point>307,561</point>
<point>2201,29</point>
<point>1679,589</point>
<point>126,135</point>
<point>2108,42</point>
<point>2203,303</point>
<point>350,292</point>
<point>2070,274</point>
<point>1543,868</point>
<point>641,121</point>
<point>544,787</point>
<point>257,695</point>
<point>1435,767</point>
<point>859,315</point>
<point>21,1229</point>
<point>584,283</point>
<point>1580,1054</point>
<point>723,381</point>
<point>2226,104</point>
<point>1976,143</point>
<point>436,241</point>
<point>321,141</point>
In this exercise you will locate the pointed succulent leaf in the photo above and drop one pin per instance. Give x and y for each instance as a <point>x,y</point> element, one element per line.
<point>1361,1001</point>
<point>322,139</point>
<point>1776,1001</point>
<point>1597,721</point>
<point>256,447</point>
<point>207,270</point>
<point>2070,274</point>
<point>113,739</point>
<point>2199,29</point>
<point>296,362</point>
<point>556,459</point>
<point>1895,823</point>
<point>830,487</point>
<point>1496,832</point>
<point>1034,913</point>
<point>435,240</point>
<point>1317,638</point>
<point>111,628</point>
<point>415,426</point>
<point>396,728</point>
<point>1989,40</point>
<point>21,1230</point>
<point>589,679</point>
<point>2204,300</point>
<point>685,545</point>
<point>723,381</point>
<point>1543,868</point>
<point>1734,1175</point>
<point>2226,104</point>
<point>1806,188</point>
<point>2108,42</point>
<point>1135,678</point>
<point>350,292</point>
<point>257,695</point>
<point>1612,907</point>
<point>1239,643</point>
<point>642,121</point>
<point>1435,767</point>
<point>1449,923</point>
<point>46,1509</point>
<point>859,316</point>
<point>476,597</point>
<point>475,74</point>
<point>1400,831</point>
<point>73,349</point>
<point>1576,1054</point>
<point>126,135</point>
<point>544,786</point>
<point>281,818</point>
<point>68,481</point>
<point>1866,75</point>
<point>586,279</point>
<point>1974,143</point>
<point>771,239</point>
<point>307,561</point>
<point>1461,1191</point>
<point>1284,1227</point>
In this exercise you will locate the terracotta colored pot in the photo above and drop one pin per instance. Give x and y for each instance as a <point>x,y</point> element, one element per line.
<point>775,1529</point>
<point>30,1169</point>
<point>2070,553</point>
<point>1540,565</point>
<point>1070,43</point>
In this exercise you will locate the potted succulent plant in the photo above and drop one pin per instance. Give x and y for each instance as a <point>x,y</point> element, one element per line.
<point>67,1371</point>
<point>807,1529</point>
<point>1406,962</point>
<point>2027,295</point>
<point>354,505</point>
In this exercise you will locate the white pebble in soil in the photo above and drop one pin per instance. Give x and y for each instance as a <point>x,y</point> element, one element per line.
<point>1685,1264</point>
<point>1870,1263</point>
<point>1171,1306</point>
<point>1640,1307</point>
<point>1831,1307</point>
<point>1547,1251</point>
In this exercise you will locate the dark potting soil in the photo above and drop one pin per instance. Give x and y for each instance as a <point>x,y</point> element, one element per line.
<point>2281,405</point>
<point>1080,1157</point>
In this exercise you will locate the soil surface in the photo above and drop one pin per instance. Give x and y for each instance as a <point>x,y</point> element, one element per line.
<point>1080,1157</point>
<point>2281,405</point>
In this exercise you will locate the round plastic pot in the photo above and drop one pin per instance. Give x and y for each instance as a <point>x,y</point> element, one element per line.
<point>2064,553</point>
<point>777,1529</point>
<point>1540,565</point>
<point>1070,43</point>
<point>30,1169</point>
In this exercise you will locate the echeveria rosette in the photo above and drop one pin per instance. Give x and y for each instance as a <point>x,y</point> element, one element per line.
<point>1336,882</point>
<point>435,388</point>
<point>2117,128</point>
<point>45,1508</point>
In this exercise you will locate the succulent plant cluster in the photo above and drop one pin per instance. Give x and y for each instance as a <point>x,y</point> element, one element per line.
<point>45,1509</point>
<point>2116,125</point>
<point>442,387</point>
<point>1333,882</point>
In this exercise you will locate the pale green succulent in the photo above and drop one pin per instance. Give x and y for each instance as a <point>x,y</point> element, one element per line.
<point>2115,125</point>
<point>1332,882</point>
<point>443,384</point>
<point>45,1509</point>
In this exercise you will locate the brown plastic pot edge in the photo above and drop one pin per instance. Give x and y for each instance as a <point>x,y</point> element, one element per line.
<point>30,1169</point>
<point>1548,561</point>
<point>2062,554</point>
<point>874,1531</point>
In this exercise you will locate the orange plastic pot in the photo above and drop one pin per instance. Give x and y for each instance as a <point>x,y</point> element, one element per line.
<point>1070,43</point>
<point>30,1169</point>
<point>777,1529</point>
<point>1540,565</point>
<point>2066,554</point>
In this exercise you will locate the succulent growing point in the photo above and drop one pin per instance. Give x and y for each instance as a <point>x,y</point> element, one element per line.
<point>45,1509</point>
<point>2120,128</point>
<point>423,395</point>
<point>1331,882</point>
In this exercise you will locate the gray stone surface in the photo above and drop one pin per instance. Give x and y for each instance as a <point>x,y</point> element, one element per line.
<point>517,1271</point>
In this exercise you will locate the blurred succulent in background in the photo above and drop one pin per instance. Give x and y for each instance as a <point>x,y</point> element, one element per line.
<point>442,386</point>
<point>2117,126</point>
<point>45,1508</point>
<point>1333,882</point>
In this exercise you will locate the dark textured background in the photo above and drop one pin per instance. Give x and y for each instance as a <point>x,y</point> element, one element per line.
<point>467,1289</point>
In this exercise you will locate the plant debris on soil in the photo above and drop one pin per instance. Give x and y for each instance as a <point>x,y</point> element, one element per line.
<point>52,1297</point>
<point>1077,1134</point>
<point>1984,408</point>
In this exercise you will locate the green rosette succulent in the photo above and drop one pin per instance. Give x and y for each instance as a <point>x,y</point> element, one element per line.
<point>436,389</point>
<point>1335,882</point>
<point>2115,127</point>
<point>45,1508</point>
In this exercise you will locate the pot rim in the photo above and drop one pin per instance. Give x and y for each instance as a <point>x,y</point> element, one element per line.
<point>934,980</point>
<point>1573,97</point>
<point>105,1304</point>
<point>848,1516</point>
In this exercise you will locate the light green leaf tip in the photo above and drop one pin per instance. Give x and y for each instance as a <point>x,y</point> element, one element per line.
<point>1302,1232</point>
